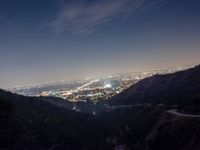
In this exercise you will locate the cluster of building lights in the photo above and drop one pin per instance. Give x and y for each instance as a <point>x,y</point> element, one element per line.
<point>95,89</point>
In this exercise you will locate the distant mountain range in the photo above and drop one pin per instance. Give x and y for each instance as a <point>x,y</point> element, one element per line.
<point>46,123</point>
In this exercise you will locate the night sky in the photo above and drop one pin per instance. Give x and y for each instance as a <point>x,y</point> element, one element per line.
<point>50,40</point>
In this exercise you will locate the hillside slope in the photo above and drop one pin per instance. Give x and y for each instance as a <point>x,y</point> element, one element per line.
<point>30,123</point>
<point>181,88</point>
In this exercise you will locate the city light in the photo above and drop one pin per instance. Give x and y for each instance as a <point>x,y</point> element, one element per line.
<point>91,89</point>
<point>108,85</point>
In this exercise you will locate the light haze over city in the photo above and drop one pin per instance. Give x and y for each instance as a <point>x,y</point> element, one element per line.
<point>52,40</point>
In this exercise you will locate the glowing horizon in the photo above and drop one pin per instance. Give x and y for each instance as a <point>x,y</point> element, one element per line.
<point>45,41</point>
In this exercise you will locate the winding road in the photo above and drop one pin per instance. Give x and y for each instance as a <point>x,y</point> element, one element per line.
<point>174,112</point>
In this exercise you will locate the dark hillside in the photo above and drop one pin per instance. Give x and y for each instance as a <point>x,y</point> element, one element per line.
<point>29,123</point>
<point>181,88</point>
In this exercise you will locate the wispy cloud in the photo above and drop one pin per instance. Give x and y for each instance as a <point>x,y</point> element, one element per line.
<point>83,18</point>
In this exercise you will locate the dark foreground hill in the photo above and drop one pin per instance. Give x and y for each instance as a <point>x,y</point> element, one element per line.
<point>29,123</point>
<point>35,125</point>
<point>181,88</point>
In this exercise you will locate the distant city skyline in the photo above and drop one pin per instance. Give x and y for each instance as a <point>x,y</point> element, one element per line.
<point>52,40</point>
